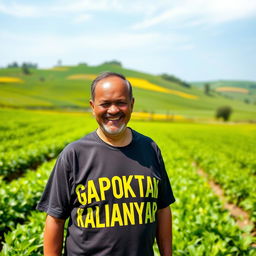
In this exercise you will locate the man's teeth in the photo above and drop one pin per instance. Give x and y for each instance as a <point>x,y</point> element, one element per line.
<point>113,118</point>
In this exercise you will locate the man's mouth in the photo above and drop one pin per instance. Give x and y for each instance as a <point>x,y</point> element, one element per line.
<point>114,118</point>
<point>114,124</point>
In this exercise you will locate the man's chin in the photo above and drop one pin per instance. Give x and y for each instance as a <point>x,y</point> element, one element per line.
<point>113,131</point>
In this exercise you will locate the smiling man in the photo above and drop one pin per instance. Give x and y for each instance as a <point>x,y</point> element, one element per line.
<point>112,105</point>
<point>111,184</point>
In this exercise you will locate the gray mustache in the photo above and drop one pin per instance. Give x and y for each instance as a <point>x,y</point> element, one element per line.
<point>117,115</point>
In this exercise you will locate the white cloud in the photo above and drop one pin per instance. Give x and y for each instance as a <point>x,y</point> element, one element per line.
<point>19,10</point>
<point>77,6</point>
<point>196,12</point>
<point>171,14</point>
<point>49,9</point>
<point>154,12</point>
<point>34,46</point>
<point>37,44</point>
<point>142,6</point>
<point>59,7</point>
<point>228,10</point>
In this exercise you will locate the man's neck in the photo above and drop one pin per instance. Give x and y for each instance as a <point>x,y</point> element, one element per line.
<point>119,140</point>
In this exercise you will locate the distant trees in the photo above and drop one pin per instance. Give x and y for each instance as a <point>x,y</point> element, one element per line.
<point>172,78</point>
<point>253,86</point>
<point>82,64</point>
<point>13,65</point>
<point>25,69</point>
<point>24,65</point>
<point>29,64</point>
<point>224,112</point>
<point>112,62</point>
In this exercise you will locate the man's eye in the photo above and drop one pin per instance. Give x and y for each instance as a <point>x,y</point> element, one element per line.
<point>105,105</point>
<point>121,103</point>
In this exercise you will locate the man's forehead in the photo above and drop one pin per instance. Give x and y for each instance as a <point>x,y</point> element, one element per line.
<point>112,83</point>
<point>105,84</point>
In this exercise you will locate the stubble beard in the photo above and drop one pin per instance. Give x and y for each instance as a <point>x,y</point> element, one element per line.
<point>108,130</point>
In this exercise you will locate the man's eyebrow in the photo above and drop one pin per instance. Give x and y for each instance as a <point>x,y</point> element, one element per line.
<point>115,100</point>
<point>103,101</point>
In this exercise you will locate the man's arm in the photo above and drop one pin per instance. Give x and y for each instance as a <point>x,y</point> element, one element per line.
<point>164,231</point>
<point>53,236</point>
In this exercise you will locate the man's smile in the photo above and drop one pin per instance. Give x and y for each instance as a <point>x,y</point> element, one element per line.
<point>114,118</point>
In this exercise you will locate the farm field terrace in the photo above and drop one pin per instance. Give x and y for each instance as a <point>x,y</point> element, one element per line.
<point>201,226</point>
<point>242,90</point>
<point>69,88</point>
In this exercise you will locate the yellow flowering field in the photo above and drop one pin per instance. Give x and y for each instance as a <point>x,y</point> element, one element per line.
<point>155,116</point>
<point>144,84</point>
<point>6,79</point>
<point>139,83</point>
<point>232,89</point>
<point>82,77</point>
<point>59,68</point>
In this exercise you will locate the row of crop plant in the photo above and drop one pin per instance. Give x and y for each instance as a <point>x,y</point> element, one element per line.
<point>200,225</point>
<point>29,138</point>
<point>227,154</point>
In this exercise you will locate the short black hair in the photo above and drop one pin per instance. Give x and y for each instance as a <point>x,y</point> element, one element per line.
<point>109,74</point>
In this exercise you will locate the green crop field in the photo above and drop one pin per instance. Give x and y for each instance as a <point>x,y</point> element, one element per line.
<point>32,139</point>
<point>43,111</point>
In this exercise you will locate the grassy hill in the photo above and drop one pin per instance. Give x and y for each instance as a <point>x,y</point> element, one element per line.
<point>238,90</point>
<point>68,87</point>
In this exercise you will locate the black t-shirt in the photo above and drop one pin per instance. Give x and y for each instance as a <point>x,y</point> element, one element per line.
<point>111,195</point>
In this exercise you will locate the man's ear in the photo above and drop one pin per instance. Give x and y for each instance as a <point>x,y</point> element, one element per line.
<point>92,106</point>
<point>132,103</point>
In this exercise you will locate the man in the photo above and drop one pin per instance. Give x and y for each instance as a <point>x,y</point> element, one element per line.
<point>112,185</point>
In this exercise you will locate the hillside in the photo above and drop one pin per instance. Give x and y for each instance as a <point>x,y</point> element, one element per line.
<point>238,90</point>
<point>68,88</point>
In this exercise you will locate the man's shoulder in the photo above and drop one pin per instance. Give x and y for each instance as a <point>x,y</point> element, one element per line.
<point>80,144</point>
<point>142,138</point>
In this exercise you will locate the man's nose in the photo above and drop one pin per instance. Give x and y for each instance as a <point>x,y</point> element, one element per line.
<point>113,109</point>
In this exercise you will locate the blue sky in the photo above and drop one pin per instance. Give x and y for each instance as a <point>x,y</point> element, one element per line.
<point>193,39</point>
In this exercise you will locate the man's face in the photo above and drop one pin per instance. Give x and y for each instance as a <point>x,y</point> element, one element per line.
<point>112,106</point>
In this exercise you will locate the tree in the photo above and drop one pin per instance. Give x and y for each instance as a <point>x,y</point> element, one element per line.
<point>13,65</point>
<point>224,112</point>
<point>25,69</point>
<point>247,101</point>
<point>207,89</point>
<point>26,66</point>
<point>172,78</point>
<point>113,62</point>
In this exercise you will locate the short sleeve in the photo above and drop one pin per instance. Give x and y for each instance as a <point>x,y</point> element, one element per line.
<point>165,193</point>
<point>55,200</point>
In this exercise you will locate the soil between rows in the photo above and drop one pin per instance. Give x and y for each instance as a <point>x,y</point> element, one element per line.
<point>241,216</point>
